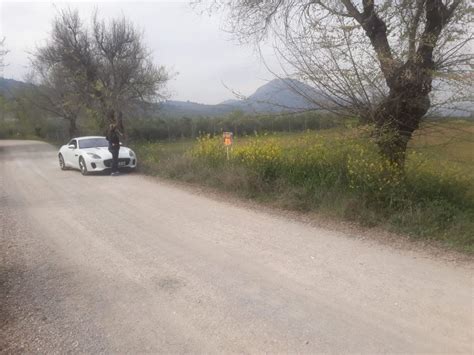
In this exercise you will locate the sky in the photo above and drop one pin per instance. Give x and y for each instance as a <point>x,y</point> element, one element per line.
<point>206,62</point>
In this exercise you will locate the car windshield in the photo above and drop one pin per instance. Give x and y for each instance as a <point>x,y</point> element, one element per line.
<point>93,143</point>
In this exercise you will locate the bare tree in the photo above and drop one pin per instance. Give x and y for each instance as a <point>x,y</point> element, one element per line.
<point>63,70</point>
<point>126,73</point>
<point>3,52</point>
<point>377,60</point>
<point>107,67</point>
<point>55,92</point>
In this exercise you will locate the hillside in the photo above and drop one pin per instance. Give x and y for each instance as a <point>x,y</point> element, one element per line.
<point>278,95</point>
<point>9,86</point>
<point>174,108</point>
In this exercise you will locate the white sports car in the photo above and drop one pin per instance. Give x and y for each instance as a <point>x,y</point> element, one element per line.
<point>91,154</point>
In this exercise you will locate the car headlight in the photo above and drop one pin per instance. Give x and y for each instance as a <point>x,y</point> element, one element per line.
<point>94,156</point>
<point>132,154</point>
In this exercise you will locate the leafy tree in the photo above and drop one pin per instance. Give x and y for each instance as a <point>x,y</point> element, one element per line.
<point>379,60</point>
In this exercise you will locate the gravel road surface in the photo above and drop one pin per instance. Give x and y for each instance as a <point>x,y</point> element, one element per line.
<point>128,264</point>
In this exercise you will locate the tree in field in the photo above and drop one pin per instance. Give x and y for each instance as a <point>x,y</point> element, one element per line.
<point>377,60</point>
<point>55,93</point>
<point>59,71</point>
<point>125,72</point>
<point>107,66</point>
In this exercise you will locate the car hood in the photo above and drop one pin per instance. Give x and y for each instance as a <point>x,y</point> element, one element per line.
<point>104,152</point>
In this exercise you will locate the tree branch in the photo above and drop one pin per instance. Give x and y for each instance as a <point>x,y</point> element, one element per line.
<point>376,30</point>
<point>437,17</point>
<point>352,10</point>
<point>414,28</point>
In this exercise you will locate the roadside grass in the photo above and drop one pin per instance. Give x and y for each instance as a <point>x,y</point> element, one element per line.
<point>338,173</point>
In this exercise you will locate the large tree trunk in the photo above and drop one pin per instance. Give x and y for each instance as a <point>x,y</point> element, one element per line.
<point>401,113</point>
<point>72,126</point>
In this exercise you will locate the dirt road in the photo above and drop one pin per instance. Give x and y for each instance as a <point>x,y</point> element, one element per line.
<point>128,264</point>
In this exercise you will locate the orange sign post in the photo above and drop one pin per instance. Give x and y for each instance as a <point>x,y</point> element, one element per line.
<point>228,140</point>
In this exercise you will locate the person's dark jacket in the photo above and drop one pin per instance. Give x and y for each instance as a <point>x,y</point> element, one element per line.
<point>113,138</point>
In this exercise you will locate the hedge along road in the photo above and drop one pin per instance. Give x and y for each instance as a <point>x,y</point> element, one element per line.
<point>129,264</point>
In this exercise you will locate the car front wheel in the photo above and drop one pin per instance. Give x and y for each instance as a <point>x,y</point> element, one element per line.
<point>82,166</point>
<point>62,164</point>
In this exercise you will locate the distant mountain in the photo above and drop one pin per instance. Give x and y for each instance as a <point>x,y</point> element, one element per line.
<point>279,95</point>
<point>175,108</point>
<point>230,102</point>
<point>461,109</point>
<point>9,86</point>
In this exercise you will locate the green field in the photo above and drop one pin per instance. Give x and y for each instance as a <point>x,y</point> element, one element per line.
<point>338,173</point>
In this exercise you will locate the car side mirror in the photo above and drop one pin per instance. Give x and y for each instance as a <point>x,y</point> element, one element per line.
<point>71,146</point>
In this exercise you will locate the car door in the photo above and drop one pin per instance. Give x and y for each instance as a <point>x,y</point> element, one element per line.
<point>70,154</point>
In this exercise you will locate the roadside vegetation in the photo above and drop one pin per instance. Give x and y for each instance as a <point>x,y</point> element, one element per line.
<point>306,162</point>
<point>379,162</point>
<point>339,173</point>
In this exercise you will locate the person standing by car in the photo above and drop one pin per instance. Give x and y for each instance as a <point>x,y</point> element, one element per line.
<point>113,136</point>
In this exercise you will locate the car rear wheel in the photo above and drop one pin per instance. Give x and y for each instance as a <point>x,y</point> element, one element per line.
<point>62,164</point>
<point>82,166</point>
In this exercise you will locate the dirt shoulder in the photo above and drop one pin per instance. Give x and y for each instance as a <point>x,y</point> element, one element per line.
<point>378,235</point>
